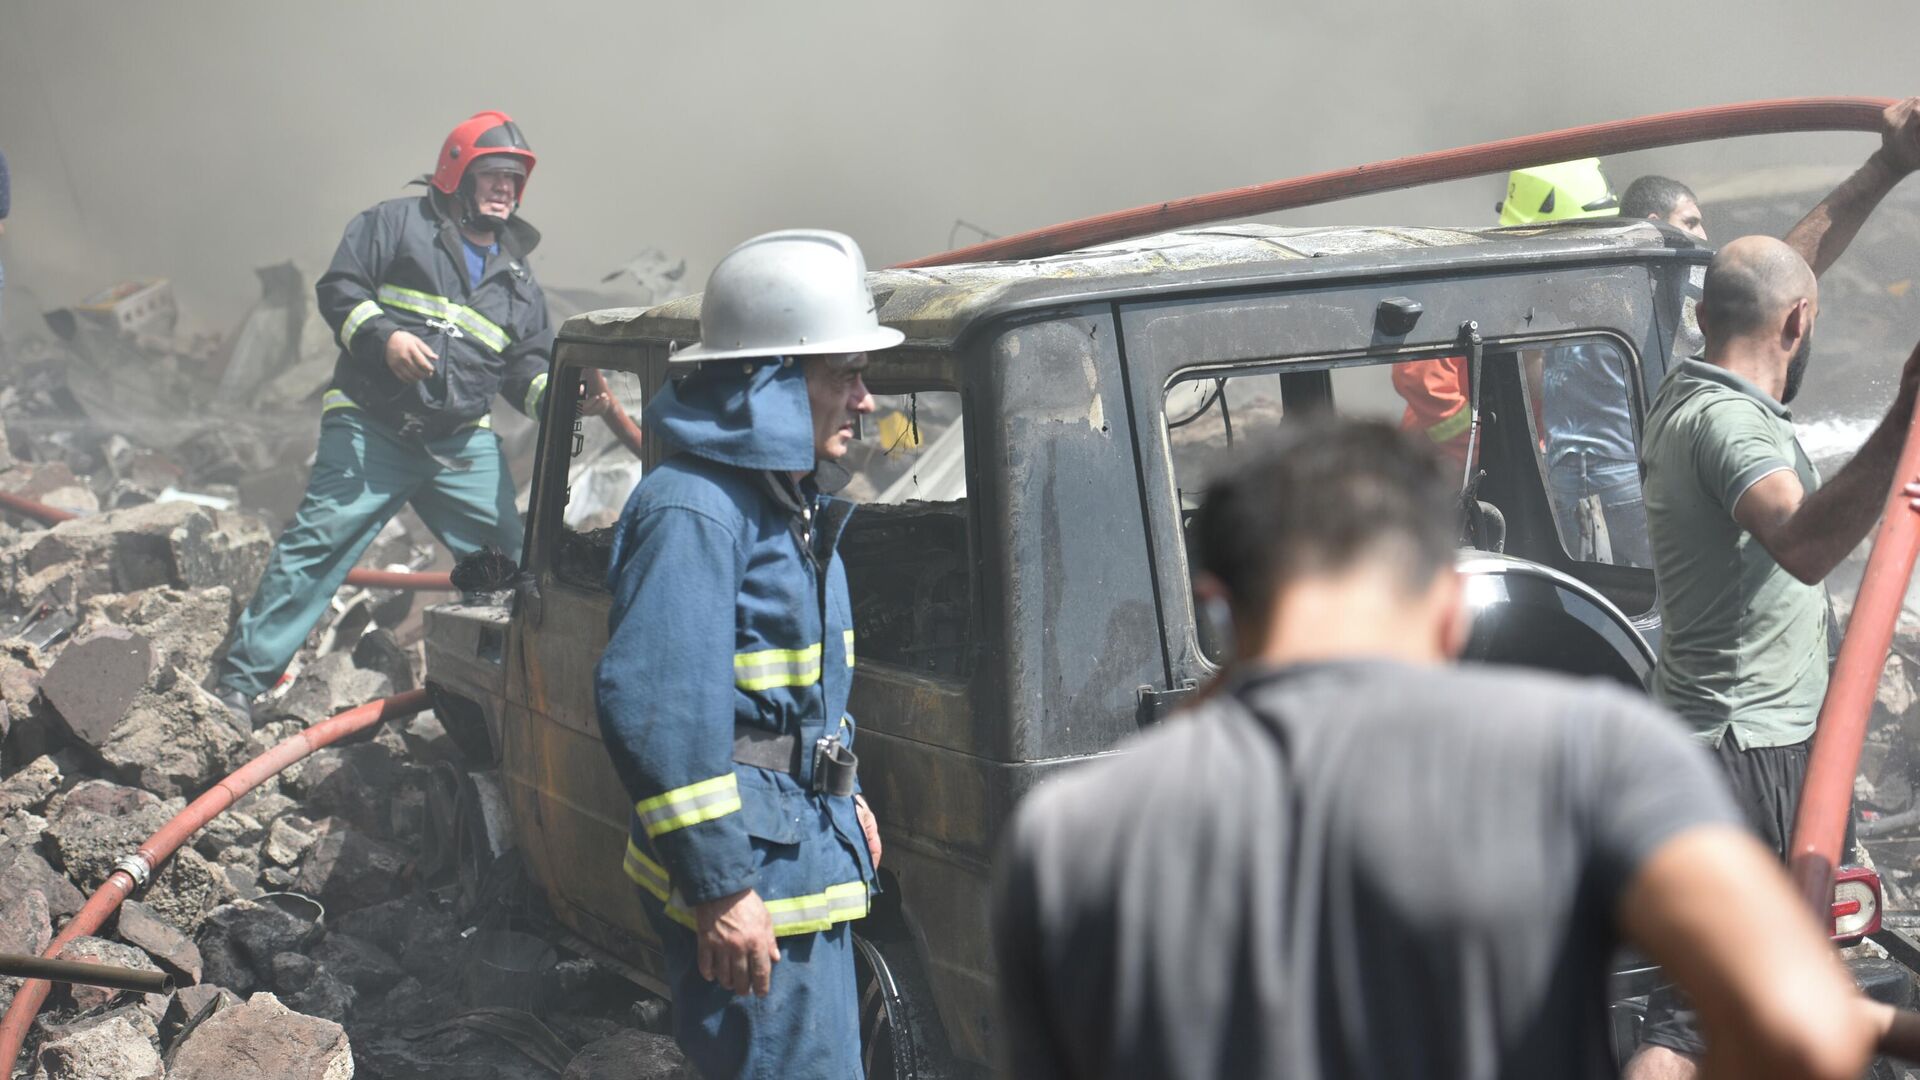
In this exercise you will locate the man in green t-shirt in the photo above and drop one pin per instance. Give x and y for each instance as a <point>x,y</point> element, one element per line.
<point>1743,533</point>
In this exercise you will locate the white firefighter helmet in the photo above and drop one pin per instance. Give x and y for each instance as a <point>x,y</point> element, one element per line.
<point>796,292</point>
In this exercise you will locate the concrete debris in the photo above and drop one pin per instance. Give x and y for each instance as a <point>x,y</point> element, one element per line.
<point>173,544</point>
<point>93,950</point>
<point>29,788</point>
<point>263,1038</point>
<point>26,927</point>
<point>24,872</point>
<point>94,683</point>
<point>115,1050</point>
<point>183,456</point>
<point>173,950</point>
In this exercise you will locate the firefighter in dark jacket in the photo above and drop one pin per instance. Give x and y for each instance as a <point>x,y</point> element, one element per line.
<point>436,311</point>
<point>723,689</point>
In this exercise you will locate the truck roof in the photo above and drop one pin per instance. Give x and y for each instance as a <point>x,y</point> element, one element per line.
<point>934,306</point>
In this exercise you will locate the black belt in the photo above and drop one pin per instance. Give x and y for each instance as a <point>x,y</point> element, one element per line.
<point>834,763</point>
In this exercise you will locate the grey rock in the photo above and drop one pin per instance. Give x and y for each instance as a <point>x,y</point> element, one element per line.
<point>178,742</point>
<point>277,878</point>
<point>95,681</point>
<point>324,994</point>
<point>21,669</point>
<point>359,963</point>
<point>93,950</point>
<point>174,951</point>
<point>187,1004</point>
<point>23,871</point>
<point>160,544</point>
<point>263,1038</point>
<point>238,942</point>
<point>186,626</point>
<point>288,838</point>
<point>379,650</point>
<point>115,1050</point>
<point>233,828</point>
<point>327,686</point>
<point>356,783</point>
<point>348,869</point>
<point>627,1055</point>
<point>23,828</point>
<point>29,788</point>
<point>26,927</point>
<point>291,972</point>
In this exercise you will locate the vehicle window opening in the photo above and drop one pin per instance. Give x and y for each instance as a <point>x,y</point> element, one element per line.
<point>600,473</point>
<point>909,560</point>
<point>1506,469</point>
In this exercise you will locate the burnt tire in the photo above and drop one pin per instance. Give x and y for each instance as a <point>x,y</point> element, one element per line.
<point>900,1036</point>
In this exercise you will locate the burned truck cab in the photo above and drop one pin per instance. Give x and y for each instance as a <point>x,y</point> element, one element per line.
<point>1021,585</point>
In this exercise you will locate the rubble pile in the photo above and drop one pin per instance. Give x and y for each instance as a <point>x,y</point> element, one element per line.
<point>324,926</point>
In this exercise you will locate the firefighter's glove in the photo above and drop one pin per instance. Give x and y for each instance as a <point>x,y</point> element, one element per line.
<point>409,358</point>
<point>737,948</point>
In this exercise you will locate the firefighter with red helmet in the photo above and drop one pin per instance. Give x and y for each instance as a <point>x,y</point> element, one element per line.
<point>436,311</point>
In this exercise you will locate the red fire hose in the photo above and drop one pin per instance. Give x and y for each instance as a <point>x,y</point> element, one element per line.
<point>133,870</point>
<point>368,579</point>
<point>615,417</point>
<point>1827,797</point>
<point>1593,140</point>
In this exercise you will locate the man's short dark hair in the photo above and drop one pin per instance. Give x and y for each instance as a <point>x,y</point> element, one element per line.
<point>1653,196</point>
<point>1323,496</point>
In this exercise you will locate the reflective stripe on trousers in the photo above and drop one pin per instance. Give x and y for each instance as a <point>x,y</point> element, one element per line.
<point>791,914</point>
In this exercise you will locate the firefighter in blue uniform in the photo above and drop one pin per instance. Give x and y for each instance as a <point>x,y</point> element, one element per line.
<point>436,310</point>
<point>722,694</point>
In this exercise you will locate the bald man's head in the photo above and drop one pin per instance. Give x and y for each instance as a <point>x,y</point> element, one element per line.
<point>1760,302</point>
<point>1751,284</point>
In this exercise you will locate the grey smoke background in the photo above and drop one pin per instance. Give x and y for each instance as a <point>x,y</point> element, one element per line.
<point>200,139</point>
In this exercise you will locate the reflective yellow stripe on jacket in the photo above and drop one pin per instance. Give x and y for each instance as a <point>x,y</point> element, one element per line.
<point>531,403</point>
<point>1452,427</point>
<point>689,805</point>
<point>768,668</point>
<point>847,636</point>
<point>357,318</point>
<point>791,914</point>
<point>439,307</point>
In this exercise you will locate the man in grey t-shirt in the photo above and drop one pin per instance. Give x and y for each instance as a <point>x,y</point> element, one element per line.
<point>1355,860</point>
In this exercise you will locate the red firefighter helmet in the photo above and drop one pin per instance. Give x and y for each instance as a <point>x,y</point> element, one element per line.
<point>482,135</point>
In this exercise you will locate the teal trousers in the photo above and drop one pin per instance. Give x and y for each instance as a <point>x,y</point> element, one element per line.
<point>362,475</point>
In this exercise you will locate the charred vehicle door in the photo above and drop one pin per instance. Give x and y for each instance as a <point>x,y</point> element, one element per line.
<point>1566,355</point>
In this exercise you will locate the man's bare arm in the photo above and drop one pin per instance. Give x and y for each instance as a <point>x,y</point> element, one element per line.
<point>1808,535</point>
<point>1828,228</point>
<point>1714,908</point>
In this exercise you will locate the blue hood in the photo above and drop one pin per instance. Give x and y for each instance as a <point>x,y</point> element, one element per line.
<point>758,420</point>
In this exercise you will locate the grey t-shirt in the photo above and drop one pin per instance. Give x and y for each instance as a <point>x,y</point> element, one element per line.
<point>1383,871</point>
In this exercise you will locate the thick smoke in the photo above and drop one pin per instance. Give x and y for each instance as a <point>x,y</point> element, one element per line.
<point>199,140</point>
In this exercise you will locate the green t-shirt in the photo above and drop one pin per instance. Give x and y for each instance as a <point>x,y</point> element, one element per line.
<point>1744,643</point>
